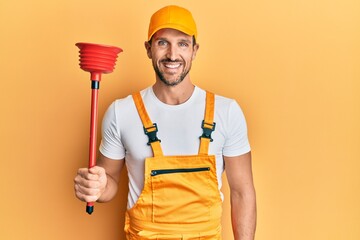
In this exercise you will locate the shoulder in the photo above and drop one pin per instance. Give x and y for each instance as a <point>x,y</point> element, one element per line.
<point>121,109</point>
<point>220,100</point>
<point>226,105</point>
<point>126,102</point>
<point>224,101</point>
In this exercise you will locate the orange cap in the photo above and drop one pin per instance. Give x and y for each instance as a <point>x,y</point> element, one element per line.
<point>172,17</point>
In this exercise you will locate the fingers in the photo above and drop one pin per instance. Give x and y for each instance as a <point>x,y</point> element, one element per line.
<point>89,184</point>
<point>97,170</point>
<point>91,174</point>
<point>87,194</point>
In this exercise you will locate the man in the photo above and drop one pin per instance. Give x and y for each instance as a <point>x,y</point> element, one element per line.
<point>174,163</point>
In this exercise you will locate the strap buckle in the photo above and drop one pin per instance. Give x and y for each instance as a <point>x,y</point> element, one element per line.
<point>151,133</point>
<point>208,128</point>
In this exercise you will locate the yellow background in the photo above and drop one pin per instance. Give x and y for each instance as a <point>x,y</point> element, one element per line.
<point>293,65</point>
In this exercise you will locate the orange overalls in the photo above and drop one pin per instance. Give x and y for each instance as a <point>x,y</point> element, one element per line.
<point>180,199</point>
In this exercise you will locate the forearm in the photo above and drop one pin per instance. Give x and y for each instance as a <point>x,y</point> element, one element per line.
<point>110,190</point>
<point>243,215</point>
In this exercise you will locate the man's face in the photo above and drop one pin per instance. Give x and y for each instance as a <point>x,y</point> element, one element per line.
<point>172,53</point>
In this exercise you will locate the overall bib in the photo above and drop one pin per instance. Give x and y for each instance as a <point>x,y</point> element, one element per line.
<point>180,199</point>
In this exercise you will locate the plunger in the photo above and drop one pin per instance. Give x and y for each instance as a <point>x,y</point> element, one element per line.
<point>96,59</point>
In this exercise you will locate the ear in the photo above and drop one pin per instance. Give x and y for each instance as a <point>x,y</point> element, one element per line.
<point>148,49</point>
<point>196,48</point>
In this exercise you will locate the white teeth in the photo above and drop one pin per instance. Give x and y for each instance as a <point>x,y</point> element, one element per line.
<point>172,65</point>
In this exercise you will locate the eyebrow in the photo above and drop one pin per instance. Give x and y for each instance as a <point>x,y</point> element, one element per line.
<point>165,39</point>
<point>185,40</point>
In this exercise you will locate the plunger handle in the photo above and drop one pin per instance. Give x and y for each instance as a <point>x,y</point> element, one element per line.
<point>93,132</point>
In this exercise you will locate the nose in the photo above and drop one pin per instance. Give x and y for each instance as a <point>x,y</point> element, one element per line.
<point>171,52</point>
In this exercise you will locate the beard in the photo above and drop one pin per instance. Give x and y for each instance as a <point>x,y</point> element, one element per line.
<point>167,82</point>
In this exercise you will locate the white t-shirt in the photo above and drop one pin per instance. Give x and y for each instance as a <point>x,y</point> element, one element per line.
<point>179,129</point>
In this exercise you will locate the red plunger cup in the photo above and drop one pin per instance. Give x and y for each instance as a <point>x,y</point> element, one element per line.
<point>96,59</point>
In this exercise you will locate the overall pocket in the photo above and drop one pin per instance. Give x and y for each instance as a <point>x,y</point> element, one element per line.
<point>181,195</point>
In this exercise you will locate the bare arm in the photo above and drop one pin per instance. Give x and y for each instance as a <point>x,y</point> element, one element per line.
<point>242,196</point>
<point>99,183</point>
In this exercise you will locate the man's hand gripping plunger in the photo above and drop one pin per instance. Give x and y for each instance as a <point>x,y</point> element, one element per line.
<point>90,183</point>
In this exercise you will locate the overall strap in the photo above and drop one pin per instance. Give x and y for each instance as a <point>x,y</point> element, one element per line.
<point>208,124</point>
<point>150,128</point>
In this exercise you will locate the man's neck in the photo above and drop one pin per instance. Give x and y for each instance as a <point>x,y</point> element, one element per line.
<point>173,95</point>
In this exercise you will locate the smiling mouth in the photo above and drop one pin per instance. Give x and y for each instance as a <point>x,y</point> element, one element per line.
<point>172,65</point>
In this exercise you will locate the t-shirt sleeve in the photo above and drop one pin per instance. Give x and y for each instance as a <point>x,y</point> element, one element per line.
<point>236,142</point>
<point>111,145</point>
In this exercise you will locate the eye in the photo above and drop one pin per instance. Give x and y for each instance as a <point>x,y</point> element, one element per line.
<point>183,44</point>
<point>162,43</point>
